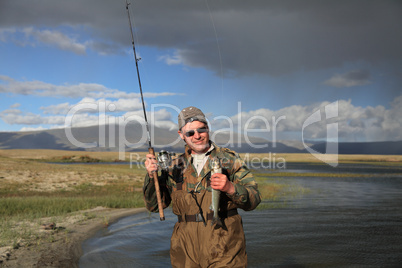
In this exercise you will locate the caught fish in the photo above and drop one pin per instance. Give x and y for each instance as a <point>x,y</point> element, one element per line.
<point>216,168</point>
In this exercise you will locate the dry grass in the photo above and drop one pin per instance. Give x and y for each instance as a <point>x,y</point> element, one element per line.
<point>32,189</point>
<point>42,154</point>
<point>18,175</point>
<point>29,170</point>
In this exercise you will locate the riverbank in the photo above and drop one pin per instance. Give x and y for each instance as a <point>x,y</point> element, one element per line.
<point>60,245</point>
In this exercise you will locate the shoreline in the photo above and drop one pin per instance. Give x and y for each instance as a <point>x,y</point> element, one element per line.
<point>64,249</point>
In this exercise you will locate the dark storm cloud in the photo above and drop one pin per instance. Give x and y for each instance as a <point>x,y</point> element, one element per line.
<point>350,79</point>
<point>254,37</point>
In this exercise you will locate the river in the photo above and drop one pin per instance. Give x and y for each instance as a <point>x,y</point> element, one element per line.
<point>338,222</point>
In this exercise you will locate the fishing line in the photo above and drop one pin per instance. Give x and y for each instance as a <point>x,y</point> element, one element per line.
<point>137,40</point>
<point>144,70</point>
<point>217,43</point>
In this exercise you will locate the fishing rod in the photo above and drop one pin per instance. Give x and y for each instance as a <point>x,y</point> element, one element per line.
<point>150,148</point>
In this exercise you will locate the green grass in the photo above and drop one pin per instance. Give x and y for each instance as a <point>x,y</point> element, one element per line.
<point>18,213</point>
<point>45,206</point>
<point>275,191</point>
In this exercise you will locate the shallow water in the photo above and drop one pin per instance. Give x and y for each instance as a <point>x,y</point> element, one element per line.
<point>340,222</point>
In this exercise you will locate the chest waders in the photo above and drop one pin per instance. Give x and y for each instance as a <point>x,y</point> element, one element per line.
<point>197,243</point>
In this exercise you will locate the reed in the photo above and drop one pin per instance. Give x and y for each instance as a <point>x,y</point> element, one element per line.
<point>275,191</point>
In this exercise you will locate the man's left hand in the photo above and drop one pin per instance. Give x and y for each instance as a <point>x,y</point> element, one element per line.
<point>221,182</point>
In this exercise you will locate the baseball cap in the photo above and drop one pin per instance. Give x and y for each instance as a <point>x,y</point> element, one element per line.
<point>191,114</point>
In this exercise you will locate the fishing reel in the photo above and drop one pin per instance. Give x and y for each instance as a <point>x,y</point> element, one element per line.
<point>165,159</point>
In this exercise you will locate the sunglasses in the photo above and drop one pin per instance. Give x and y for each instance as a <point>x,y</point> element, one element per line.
<point>200,130</point>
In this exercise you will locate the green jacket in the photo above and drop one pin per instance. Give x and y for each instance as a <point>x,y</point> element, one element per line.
<point>246,195</point>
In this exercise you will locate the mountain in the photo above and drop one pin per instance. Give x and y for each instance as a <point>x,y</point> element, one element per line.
<point>133,137</point>
<point>380,148</point>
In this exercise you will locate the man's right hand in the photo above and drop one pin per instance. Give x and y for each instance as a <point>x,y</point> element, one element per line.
<point>151,164</point>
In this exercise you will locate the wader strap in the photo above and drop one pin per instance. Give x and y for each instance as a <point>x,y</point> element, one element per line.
<point>198,218</point>
<point>179,186</point>
<point>201,214</point>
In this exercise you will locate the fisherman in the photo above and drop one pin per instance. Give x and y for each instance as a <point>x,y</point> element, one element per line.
<point>197,241</point>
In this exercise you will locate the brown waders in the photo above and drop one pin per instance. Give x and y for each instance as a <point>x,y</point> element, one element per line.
<point>196,243</point>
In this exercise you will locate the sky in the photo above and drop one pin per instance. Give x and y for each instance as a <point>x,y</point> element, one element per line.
<point>258,67</point>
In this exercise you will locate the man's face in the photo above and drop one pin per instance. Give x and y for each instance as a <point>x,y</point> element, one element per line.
<point>196,135</point>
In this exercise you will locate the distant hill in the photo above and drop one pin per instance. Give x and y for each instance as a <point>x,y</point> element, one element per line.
<point>134,138</point>
<point>381,148</point>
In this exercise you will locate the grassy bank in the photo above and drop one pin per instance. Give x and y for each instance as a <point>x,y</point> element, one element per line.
<point>34,192</point>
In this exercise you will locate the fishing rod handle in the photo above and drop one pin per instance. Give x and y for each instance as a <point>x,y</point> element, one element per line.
<point>157,189</point>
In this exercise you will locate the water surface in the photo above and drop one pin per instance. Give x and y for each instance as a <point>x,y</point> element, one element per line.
<point>340,222</point>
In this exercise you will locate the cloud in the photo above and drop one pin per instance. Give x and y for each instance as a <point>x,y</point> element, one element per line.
<point>355,123</point>
<point>94,106</point>
<point>350,79</point>
<point>92,90</point>
<point>5,33</point>
<point>31,36</point>
<point>163,119</point>
<point>34,37</point>
<point>105,47</point>
<point>171,59</point>
<point>26,129</point>
<point>96,101</point>
<point>86,112</point>
<point>160,118</point>
<point>82,118</point>
<point>61,108</point>
<point>15,105</point>
<point>258,37</point>
<point>17,117</point>
<point>273,37</point>
<point>55,38</point>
